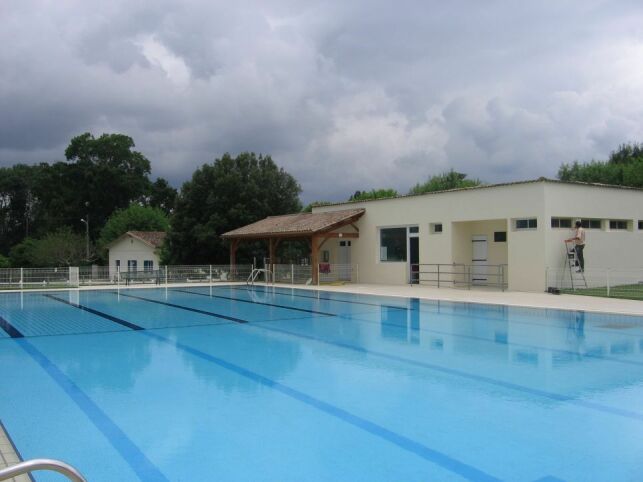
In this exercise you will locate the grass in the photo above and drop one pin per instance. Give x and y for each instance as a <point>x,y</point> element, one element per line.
<point>630,292</point>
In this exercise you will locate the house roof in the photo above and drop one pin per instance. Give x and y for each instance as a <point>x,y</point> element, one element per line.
<point>485,186</point>
<point>305,224</point>
<point>154,239</point>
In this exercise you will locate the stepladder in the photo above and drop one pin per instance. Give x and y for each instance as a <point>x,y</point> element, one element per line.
<point>572,266</point>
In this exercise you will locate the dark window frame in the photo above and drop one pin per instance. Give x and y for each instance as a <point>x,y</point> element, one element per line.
<point>395,240</point>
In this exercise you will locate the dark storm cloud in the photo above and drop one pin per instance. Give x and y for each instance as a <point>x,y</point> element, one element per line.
<point>344,95</point>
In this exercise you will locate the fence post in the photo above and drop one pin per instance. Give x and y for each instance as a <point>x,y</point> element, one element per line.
<point>357,273</point>
<point>21,277</point>
<point>166,275</point>
<point>607,275</point>
<point>317,268</point>
<point>210,274</point>
<point>118,277</point>
<point>292,274</point>
<point>438,276</point>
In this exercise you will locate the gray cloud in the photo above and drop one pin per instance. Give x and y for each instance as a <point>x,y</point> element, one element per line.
<point>344,95</point>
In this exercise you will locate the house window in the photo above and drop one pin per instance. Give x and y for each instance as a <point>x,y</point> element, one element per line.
<point>561,222</point>
<point>118,264</point>
<point>617,224</point>
<point>435,228</point>
<point>131,265</point>
<point>344,243</point>
<point>500,236</point>
<point>414,229</point>
<point>591,223</point>
<point>148,265</point>
<point>640,224</point>
<point>393,244</point>
<point>531,223</point>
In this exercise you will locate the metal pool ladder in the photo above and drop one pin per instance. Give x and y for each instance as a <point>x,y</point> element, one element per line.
<point>255,273</point>
<point>42,464</point>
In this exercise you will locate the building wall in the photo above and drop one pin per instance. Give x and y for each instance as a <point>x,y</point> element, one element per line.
<point>130,248</point>
<point>501,203</point>
<point>604,248</point>
<point>528,252</point>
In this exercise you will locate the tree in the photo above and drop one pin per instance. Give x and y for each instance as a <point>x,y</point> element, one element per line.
<point>444,182</point>
<point>624,168</point>
<point>373,194</point>
<point>18,205</point>
<point>60,248</point>
<point>224,195</point>
<point>161,195</point>
<point>133,218</point>
<point>309,207</point>
<point>4,262</point>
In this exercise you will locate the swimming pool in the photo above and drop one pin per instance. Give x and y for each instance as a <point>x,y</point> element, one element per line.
<point>232,383</point>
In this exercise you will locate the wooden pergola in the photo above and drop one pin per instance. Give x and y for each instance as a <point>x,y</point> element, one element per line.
<point>316,228</point>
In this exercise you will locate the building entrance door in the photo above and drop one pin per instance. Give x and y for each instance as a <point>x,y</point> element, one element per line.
<point>479,260</point>
<point>344,261</point>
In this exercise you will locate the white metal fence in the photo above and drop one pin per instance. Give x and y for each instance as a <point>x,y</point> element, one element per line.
<point>303,274</point>
<point>71,277</point>
<point>615,283</point>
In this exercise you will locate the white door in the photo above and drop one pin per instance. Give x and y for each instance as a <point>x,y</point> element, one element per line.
<point>344,261</point>
<point>479,260</point>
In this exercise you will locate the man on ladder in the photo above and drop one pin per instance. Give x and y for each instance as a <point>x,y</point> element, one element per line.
<point>579,246</point>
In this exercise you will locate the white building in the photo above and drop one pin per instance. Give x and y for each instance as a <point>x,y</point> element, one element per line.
<point>514,231</point>
<point>135,251</point>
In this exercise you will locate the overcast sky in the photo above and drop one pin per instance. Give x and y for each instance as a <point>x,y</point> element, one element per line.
<point>345,95</point>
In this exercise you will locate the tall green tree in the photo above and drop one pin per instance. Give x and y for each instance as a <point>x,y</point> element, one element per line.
<point>161,195</point>
<point>18,205</point>
<point>62,247</point>
<point>373,194</point>
<point>224,195</point>
<point>624,168</point>
<point>444,182</point>
<point>133,218</point>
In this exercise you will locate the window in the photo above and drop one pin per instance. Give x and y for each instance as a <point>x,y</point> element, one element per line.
<point>435,228</point>
<point>344,243</point>
<point>531,223</point>
<point>617,224</point>
<point>414,229</point>
<point>393,244</point>
<point>148,265</point>
<point>131,265</point>
<point>561,222</point>
<point>500,236</point>
<point>118,263</point>
<point>640,224</point>
<point>591,223</point>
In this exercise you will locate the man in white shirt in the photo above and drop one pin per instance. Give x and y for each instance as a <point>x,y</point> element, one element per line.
<point>579,245</point>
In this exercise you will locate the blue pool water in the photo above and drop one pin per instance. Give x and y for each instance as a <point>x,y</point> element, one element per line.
<point>252,384</point>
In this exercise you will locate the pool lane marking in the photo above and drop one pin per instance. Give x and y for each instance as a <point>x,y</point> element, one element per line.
<point>11,330</point>
<point>97,313</point>
<point>443,460</point>
<point>181,307</point>
<point>461,374</point>
<point>131,453</point>
<point>272,291</point>
<point>304,310</point>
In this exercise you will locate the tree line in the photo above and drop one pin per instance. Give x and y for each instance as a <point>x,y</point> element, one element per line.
<point>67,212</point>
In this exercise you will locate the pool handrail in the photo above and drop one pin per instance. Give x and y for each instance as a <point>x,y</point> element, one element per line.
<point>29,466</point>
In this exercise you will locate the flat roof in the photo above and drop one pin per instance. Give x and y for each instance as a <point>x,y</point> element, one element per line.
<point>487,186</point>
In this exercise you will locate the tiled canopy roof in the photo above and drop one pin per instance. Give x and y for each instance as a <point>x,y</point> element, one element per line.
<point>153,238</point>
<point>294,224</point>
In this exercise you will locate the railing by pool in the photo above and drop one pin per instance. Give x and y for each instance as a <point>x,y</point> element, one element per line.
<point>460,275</point>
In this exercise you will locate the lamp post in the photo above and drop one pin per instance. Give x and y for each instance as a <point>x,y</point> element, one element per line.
<point>86,221</point>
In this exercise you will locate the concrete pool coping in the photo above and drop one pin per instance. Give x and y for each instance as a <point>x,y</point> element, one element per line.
<point>478,295</point>
<point>9,456</point>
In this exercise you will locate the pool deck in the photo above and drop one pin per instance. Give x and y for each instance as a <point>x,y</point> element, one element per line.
<point>8,456</point>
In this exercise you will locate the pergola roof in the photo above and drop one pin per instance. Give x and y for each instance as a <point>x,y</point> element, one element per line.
<point>301,224</point>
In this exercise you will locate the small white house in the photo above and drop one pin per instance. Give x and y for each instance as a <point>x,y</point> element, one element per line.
<point>135,251</point>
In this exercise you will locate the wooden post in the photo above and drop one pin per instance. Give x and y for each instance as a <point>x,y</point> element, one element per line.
<point>234,244</point>
<point>314,259</point>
